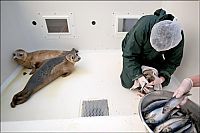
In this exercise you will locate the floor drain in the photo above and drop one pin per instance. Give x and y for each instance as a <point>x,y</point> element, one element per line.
<point>95,108</point>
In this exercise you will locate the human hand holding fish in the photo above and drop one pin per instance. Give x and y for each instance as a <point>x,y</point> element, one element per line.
<point>184,88</point>
<point>174,102</point>
<point>161,115</point>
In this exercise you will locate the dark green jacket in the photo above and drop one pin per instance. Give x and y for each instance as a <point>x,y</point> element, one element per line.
<point>137,51</point>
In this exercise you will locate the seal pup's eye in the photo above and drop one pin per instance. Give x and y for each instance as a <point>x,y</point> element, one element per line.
<point>14,54</point>
<point>20,54</point>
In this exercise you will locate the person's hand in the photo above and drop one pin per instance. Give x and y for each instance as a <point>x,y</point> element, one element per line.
<point>184,87</point>
<point>143,81</point>
<point>157,80</point>
<point>144,85</point>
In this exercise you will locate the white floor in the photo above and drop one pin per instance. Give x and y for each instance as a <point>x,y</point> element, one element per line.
<point>96,77</point>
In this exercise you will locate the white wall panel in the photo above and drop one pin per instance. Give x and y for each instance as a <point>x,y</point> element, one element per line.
<point>187,13</point>
<point>12,37</point>
<point>18,32</point>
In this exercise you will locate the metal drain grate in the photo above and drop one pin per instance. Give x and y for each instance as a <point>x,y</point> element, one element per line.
<point>95,108</point>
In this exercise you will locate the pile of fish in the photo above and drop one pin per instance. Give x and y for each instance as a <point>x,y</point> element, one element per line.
<point>163,116</point>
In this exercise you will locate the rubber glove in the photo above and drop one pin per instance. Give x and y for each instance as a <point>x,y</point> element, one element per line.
<point>144,88</point>
<point>143,81</point>
<point>185,86</point>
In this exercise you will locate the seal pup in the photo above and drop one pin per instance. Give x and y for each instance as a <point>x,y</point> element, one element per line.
<point>33,60</point>
<point>50,70</point>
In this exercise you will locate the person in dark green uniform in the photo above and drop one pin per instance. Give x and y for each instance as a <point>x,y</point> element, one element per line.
<point>156,41</point>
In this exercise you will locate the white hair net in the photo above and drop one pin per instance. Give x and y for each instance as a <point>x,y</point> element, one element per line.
<point>165,35</point>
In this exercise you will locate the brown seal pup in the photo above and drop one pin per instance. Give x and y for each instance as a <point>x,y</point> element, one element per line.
<point>50,70</point>
<point>33,60</point>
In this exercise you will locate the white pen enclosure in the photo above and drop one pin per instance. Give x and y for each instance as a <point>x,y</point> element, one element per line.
<point>96,29</point>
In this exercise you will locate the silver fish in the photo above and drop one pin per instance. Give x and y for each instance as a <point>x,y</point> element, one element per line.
<point>175,126</point>
<point>180,114</point>
<point>156,116</point>
<point>152,113</point>
<point>173,102</point>
<point>173,113</point>
<point>154,105</point>
<point>183,129</point>
<point>160,127</point>
<point>191,129</point>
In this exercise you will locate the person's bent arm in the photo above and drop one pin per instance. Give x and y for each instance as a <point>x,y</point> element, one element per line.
<point>131,47</point>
